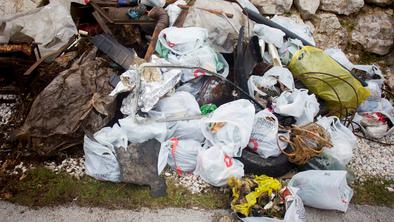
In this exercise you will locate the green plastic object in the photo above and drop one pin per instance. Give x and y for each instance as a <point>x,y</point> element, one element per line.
<point>208,108</point>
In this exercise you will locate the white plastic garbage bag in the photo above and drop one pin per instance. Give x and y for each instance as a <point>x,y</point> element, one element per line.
<point>173,11</point>
<point>342,139</point>
<point>297,103</point>
<point>339,56</point>
<point>229,126</point>
<point>374,124</point>
<point>295,212</point>
<point>264,139</point>
<point>373,72</point>
<point>159,3</point>
<point>300,29</point>
<point>100,158</point>
<point>205,58</point>
<point>373,102</point>
<point>222,31</point>
<point>180,104</point>
<point>139,130</point>
<point>180,155</point>
<point>269,80</point>
<point>289,48</point>
<point>181,41</point>
<point>269,34</point>
<point>215,167</point>
<point>323,189</point>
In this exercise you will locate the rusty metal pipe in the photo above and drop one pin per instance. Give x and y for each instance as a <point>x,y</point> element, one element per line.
<point>161,16</point>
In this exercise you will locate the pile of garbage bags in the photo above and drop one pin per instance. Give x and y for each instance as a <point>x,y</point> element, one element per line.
<point>303,107</point>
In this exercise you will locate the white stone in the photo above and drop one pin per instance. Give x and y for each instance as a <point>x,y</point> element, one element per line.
<point>307,8</point>
<point>375,32</point>
<point>272,7</point>
<point>329,33</point>
<point>342,7</point>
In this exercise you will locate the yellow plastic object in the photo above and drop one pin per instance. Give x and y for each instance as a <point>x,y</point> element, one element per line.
<point>323,76</point>
<point>266,184</point>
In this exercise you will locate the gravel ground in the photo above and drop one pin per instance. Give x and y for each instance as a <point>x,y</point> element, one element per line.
<point>6,108</point>
<point>191,182</point>
<point>73,166</point>
<point>11,212</point>
<point>373,159</point>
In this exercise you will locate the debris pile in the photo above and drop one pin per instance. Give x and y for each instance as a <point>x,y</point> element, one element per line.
<point>211,90</point>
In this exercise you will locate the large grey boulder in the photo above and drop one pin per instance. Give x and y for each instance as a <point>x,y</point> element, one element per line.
<point>341,7</point>
<point>329,33</point>
<point>272,7</point>
<point>375,32</point>
<point>307,8</point>
<point>380,2</point>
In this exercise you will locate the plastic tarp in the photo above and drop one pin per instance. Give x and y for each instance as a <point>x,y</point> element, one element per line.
<point>50,26</point>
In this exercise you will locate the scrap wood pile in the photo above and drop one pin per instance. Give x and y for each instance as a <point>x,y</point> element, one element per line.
<point>219,92</point>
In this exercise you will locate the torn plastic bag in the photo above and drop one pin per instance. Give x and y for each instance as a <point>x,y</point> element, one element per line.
<point>127,82</point>
<point>180,155</point>
<point>138,165</point>
<point>173,11</point>
<point>153,91</point>
<point>215,167</point>
<point>342,139</point>
<point>269,34</point>
<point>319,72</point>
<point>50,26</point>
<point>300,29</point>
<point>180,105</point>
<point>289,49</point>
<point>222,31</point>
<point>294,213</point>
<point>264,138</point>
<point>323,189</point>
<point>139,130</point>
<point>259,86</point>
<point>229,126</point>
<point>152,3</point>
<point>76,100</point>
<point>375,124</point>
<point>297,103</point>
<point>340,57</point>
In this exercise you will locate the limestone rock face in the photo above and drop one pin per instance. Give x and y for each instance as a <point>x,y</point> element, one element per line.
<point>272,7</point>
<point>380,2</point>
<point>375,32</point>
<point>341,7</point>
<point>329,33</point>
<point>307,8</point>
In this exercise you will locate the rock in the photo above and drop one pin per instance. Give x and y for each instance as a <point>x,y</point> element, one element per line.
<point>307,8</point>
<point>329,33</point>
<point>375,32</point>
<point>342,7</point>
<point>272,7</point>
<point>380,2</point>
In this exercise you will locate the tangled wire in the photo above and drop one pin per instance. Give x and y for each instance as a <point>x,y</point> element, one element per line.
<point>306,142</point>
